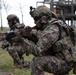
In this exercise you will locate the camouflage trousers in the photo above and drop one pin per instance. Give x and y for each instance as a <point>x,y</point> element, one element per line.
<point>16,52</point>
<point>50,64</point>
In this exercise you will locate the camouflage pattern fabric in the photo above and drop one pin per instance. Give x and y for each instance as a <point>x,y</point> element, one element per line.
<point>50,64</point>
<point>16,51</point>
<point>47,56</point>
<point>54,49</point>
<point>53,64</point>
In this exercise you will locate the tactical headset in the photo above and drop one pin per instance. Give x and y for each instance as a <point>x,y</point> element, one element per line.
<point>14,20</point>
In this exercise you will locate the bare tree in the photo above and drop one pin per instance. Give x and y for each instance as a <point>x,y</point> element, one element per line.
<point>3,4</point>
<point>6,6</point>
<point>1,14</point>
<point>19,8</point>
<point>21,12</point>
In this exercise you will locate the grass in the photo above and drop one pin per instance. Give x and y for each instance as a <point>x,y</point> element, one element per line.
<point>6,63</point>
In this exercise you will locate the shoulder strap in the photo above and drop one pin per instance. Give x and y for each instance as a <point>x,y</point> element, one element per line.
<point>61,26</point>
<point>58,23</point>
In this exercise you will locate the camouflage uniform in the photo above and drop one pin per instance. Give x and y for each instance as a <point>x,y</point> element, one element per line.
<point>54,49</point>
<point>15,49</point>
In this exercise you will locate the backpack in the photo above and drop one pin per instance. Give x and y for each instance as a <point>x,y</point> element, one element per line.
<point>70,30</point>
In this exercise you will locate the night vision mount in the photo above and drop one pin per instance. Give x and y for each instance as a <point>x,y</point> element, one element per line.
<point>31,10</point>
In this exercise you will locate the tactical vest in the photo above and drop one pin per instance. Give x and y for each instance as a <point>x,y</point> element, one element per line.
<point>63,48</point>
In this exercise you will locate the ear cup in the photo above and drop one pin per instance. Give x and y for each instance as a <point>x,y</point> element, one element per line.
<point>15,20</point>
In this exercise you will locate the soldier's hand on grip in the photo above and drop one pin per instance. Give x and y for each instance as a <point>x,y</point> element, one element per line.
<point>17,39</point>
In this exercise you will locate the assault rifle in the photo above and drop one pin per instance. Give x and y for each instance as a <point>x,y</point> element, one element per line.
<point>7,39</point>
<point>25,33</point>
<point>10,34</point>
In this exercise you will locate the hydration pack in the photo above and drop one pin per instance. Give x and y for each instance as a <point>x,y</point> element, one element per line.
<point>70,30</point>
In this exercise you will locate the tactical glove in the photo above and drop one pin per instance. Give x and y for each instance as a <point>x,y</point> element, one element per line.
<point>17,39</point>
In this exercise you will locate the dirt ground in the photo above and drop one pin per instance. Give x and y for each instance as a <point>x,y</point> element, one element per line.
<point>48,73</point>
<point>3,72</point>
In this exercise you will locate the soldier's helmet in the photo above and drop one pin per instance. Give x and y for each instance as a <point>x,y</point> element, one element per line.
<point>43,10</point>
<point>13,19</point>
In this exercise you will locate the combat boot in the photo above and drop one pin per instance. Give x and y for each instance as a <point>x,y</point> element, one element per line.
<point>26,64</point>
<point>18,66</point>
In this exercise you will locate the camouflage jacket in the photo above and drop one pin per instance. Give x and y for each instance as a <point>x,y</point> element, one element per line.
<point>55,42</point>
<point>52,41</point>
